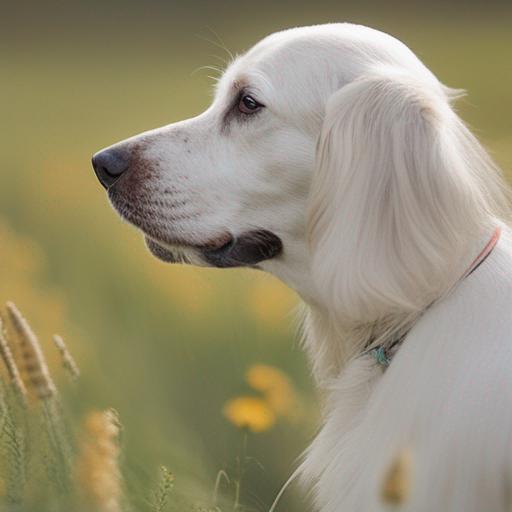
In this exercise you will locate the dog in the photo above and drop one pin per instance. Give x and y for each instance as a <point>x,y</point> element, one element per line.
<point>332,158</point>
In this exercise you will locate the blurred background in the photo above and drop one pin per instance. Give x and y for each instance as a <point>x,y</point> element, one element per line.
<point>167,346</point>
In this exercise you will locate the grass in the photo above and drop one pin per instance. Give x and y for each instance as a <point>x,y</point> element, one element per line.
<point>49,462</point>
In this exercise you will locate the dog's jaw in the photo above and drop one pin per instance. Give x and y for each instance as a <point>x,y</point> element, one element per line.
<point>246,250</point>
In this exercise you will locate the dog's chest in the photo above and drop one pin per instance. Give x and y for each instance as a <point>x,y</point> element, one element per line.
<point>336,457</point>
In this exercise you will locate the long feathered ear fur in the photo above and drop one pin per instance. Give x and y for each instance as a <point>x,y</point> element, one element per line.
<point>401,191</point>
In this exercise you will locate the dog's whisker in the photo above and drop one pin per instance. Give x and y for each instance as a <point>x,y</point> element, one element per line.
<point>219,44</point>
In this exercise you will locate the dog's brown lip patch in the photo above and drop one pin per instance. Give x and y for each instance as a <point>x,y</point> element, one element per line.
<point>160,250</point>
<point>245,250</point>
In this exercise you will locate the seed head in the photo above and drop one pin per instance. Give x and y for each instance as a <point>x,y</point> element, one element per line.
<point>67,359</point>
<point>33,363</point>
<point>10,364</point>
<point>97,466</point>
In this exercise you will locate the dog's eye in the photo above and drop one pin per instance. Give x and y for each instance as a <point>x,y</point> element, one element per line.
<point>248,105</point>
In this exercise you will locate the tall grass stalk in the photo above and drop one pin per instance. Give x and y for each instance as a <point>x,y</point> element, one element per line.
<point>40,383</point>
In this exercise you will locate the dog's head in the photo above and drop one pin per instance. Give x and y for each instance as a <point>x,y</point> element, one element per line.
<point>306,118</point>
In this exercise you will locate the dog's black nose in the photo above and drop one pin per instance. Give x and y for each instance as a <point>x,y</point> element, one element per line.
<point>109,165</point>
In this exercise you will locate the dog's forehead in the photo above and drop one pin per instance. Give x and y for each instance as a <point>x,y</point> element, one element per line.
<point>321,56</point>
<point>290,56</point>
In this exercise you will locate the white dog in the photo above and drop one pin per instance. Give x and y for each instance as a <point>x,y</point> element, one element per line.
<point>331,157</point>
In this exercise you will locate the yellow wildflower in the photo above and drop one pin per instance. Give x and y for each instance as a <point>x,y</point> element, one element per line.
<point>250,412</point>
<point>397,480</point>
<point>263,377</point>
<point>276,387</point>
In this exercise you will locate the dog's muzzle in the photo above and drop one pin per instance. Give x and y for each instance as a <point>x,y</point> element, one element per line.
<point>243,250</point>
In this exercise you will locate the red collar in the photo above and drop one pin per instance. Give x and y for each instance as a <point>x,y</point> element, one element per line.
<point>491,244</point>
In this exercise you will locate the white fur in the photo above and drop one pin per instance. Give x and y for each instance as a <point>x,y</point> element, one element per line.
<point>382,198</point>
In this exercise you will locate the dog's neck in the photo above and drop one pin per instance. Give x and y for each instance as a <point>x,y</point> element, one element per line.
<point>331,343</point>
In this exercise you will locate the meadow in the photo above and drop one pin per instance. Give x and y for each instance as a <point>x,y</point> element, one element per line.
<point>165,346</point>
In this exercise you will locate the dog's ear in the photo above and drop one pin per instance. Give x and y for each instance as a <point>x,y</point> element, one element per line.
<point>399,188</point>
